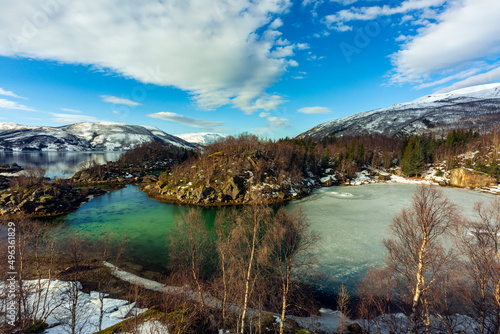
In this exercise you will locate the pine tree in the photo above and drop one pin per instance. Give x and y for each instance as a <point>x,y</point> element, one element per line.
<point>413,158</point>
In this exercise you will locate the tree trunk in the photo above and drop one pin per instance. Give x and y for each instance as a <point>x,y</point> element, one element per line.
<point>248,276</point>
<point>418,290</point>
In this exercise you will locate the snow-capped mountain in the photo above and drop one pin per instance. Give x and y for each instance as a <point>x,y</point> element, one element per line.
<point>85,136</point>
<point>476,107</point>
<point>116,136</point>
<point>202,138</point>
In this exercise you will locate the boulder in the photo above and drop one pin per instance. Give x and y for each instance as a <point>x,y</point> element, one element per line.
<point>461,177</point>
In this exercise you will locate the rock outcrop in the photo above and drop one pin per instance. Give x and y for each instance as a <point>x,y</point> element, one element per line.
<point>50,199</point>
<point>232,191</point>
<point>465,178</point>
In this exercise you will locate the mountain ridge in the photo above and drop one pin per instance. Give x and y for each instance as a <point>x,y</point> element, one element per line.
<point>475,107</point>
<point>83,136</point>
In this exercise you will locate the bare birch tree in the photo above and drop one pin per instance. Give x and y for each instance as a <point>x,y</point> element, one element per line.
<point>293,252</point>
<point>190,248</point>
<point>416,252</point>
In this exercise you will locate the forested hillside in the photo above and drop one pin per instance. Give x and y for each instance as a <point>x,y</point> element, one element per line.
<point>237,170</point>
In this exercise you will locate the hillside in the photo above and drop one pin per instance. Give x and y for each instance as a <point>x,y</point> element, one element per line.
<point>239,170</point>
<point>476,108</point>
<point>85,136</point>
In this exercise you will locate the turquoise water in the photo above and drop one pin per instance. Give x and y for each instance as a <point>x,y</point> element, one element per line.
<point>129,212</point>
<point>351,221</point>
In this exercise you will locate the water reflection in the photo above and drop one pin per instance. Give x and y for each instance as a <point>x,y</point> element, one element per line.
<point>57,164</point>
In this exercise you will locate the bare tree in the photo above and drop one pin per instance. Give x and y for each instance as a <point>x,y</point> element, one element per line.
<point>416,251</point>
<point>224,223</point>
<point>76,250</point>
<point>243,257</point>
<point>477,249</point>
<point>250,233</point>
<point>343,307</point>
<point>478,242</point>
<point>378,294</point>
<point>190,247</point>
<point>293,252</point>
<point>105,247</point>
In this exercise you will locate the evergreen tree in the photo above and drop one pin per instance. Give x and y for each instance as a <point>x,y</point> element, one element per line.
<point>413,158</point>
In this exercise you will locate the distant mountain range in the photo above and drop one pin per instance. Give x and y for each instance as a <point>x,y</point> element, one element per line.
<point>202,138</point>
<point>85,136</point>
<point>476,108</point>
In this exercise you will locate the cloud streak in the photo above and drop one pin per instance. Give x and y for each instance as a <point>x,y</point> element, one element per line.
<point>223,52</point>
<point>11,94</point>
<point>6,104</point>
<point>72,118</point>
<point>119,100</point>
<point>339,21</point>
<point>189,121</point>
<point>480,79</point>
<point>314,110</point>
<point>71,110</point>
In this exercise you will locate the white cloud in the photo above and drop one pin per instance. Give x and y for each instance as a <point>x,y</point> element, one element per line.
<point>223,52</point>
<point>278,122</point>
<point>463,34</point>
<point>314,110</point>
<point>72,118</point>
<point>119,100</point>
<point>71,110</point>
<point>274,121</point>
<point>266,102</point>
<point>205,125</point>
<point>460,75</point>
<point>276,23</point>
<point>338,20</point>
<point>480,79</point>
<point>6,104</point>
<point>11,94</point>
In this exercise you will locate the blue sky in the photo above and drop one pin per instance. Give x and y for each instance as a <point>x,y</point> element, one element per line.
<point>270,67</point>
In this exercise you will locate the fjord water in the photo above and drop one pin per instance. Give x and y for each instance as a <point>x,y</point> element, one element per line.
<point>351,221</point>
<point>57,164</point>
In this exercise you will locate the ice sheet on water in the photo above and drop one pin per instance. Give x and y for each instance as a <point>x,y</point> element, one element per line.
<point>353,221</point>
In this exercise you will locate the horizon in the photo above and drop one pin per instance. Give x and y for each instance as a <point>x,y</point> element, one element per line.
<point>275,68</point>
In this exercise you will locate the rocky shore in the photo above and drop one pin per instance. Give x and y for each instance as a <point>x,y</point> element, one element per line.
<point>232,191</point>
<point>45,200</point>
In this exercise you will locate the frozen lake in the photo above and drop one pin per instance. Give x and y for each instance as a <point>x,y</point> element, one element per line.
<point>353,220</point>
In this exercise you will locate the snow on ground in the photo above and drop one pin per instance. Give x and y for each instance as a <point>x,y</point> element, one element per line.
<point>58,299</point>
<point>329,320</point>
<point>400,179</point>
<point>152,327</point>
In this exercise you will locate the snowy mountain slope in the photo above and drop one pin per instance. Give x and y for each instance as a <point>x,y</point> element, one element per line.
<point>475,107</point>
<point>116,136</point>
<point>23,138</point>
<point>104,136</point>
<point>202,138</point>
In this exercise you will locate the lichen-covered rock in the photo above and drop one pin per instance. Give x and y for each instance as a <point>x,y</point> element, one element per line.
<point>44,200</point>
<point>461,177</point>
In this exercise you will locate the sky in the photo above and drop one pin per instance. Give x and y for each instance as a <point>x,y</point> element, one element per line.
<point>274,68</point>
